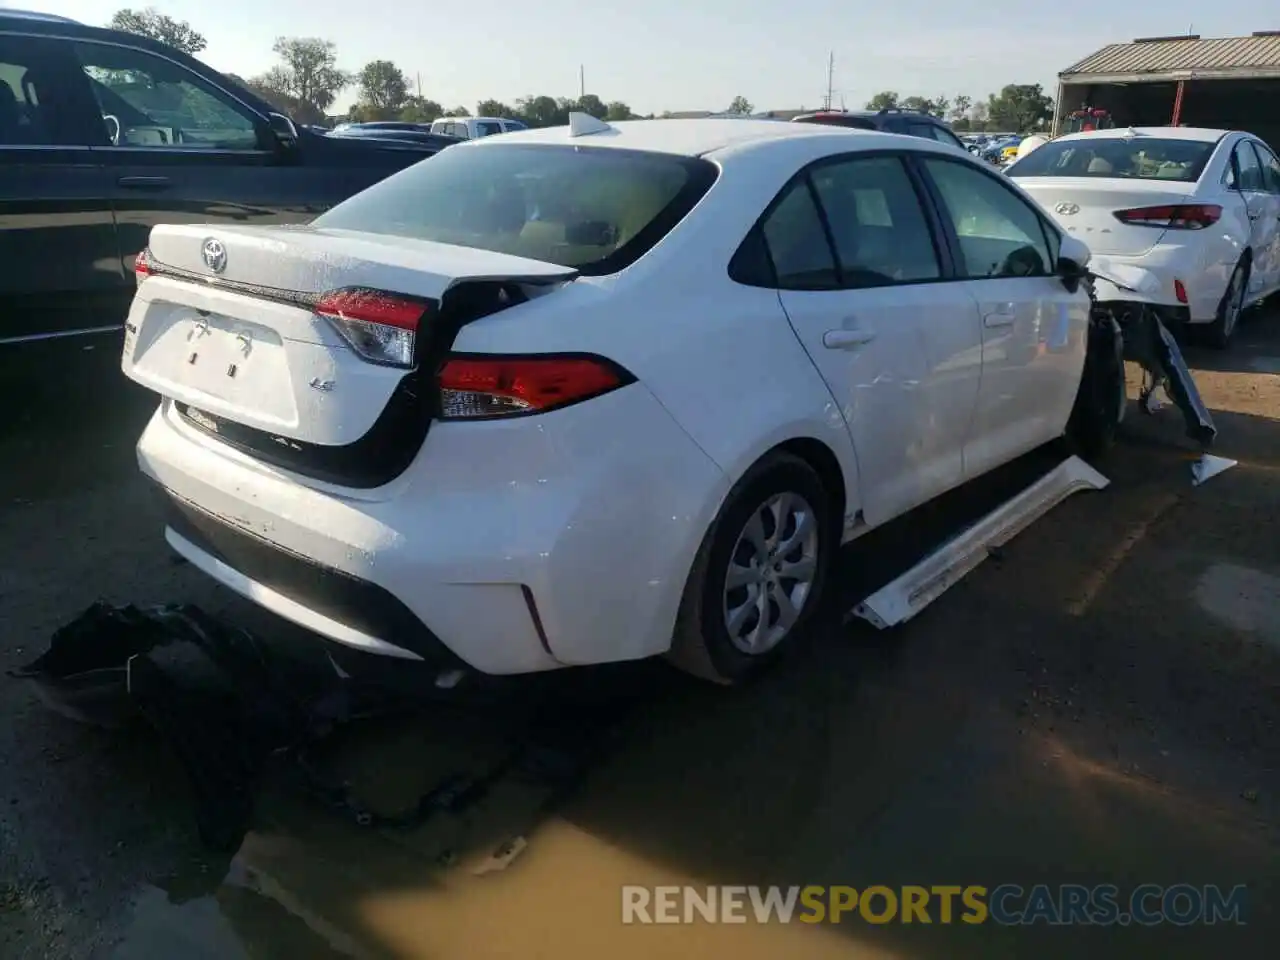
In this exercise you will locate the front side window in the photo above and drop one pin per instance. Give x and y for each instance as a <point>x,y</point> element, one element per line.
<point>592,209</point>
<point>148,101</point>
<point>1131,158</point>
<point>487,128</point>
<point>877,224</point>
<point>1000,234</point>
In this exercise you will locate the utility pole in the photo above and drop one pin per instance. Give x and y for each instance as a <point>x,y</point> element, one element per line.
<point>419,86</point>
<point>831,75</point>
<point>582,81</point>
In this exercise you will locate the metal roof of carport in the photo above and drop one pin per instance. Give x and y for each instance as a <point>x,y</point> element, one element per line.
<point>1180,58</point>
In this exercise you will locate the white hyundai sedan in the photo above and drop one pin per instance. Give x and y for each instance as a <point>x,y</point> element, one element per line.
<point>1199,210</point>
<point>603,392</point>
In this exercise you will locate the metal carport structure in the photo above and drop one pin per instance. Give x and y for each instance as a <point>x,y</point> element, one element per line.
<point>1226,82</point>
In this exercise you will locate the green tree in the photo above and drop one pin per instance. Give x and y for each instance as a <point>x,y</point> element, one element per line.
<point>960,108</point>
<point>420,110</point>
<point>156,25</point>
<point>740,105</point>
<point>541,111</point>
<point>307,74</point>
<point>458,112</point>
<point>1020,107</point>
<point>619,111</point>
<point>883,99</point>
<point>590,103</point>
<point>384,90</point>
<point>494,108</point>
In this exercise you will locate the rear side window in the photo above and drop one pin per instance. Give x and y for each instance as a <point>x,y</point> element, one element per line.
<point>877,224</point>
<point>1270,168</point>
<point>29,104</point>
<point>797,242</point>
<point>1133,158</point>
<point>590,208</point>
<point>1249,169</point>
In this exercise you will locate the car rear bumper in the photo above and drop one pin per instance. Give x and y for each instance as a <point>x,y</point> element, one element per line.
<point>510,547</point>
<point>1204,282</point>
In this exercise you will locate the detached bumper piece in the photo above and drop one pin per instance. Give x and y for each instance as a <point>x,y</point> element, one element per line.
<point>903,598</point>
<point>225,707</point>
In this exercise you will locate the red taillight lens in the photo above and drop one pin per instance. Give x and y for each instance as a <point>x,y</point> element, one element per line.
<point>380,327</point>
<point>474,387</point>
<point>1186,216</point>
<point>142,266</point>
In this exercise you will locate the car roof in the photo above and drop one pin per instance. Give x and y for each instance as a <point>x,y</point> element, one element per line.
<point>689,138</point>
<point>1201,134</point>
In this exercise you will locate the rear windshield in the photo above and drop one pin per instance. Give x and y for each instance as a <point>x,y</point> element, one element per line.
<point>590,208</point>
<point>1135,158</point>
<point>839,121</point>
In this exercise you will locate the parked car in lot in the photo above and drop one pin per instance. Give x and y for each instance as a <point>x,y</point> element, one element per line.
<point>418,134</point>
<point>104,134</point>
<point>472,128</point>
<point>1198,210</point>
<point>596,393</point>
<point>891,120</point>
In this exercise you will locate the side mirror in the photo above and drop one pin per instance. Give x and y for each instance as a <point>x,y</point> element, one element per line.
<point>283,129</point>
<point>1073,263</point>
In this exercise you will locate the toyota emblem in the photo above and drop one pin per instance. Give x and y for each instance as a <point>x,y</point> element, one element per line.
<point>214,254</point>
<point>1063,209</point>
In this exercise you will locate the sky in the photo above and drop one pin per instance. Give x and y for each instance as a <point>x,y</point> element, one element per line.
<point>658,55</point>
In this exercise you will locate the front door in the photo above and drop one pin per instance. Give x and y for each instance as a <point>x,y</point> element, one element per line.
<point>1033,331</point>
<point>864,287</point>
<point>179,149</point>
<point>58,261</point>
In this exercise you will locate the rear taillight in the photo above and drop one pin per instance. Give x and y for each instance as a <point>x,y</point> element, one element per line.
<point>142,266</point>
<point>1186,216</point>
<point>475,387</point>
<point>380,327</point>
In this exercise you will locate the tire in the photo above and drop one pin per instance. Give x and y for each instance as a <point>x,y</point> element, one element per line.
<point>703,644</point>
<point>1218,334</point>
<point>1100,399</point>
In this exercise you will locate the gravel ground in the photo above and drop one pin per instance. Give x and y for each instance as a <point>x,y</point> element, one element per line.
<point>1097,704</point>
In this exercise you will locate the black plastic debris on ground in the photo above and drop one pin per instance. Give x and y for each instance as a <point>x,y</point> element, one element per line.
<point>225,707</point>
<point>211,692</point>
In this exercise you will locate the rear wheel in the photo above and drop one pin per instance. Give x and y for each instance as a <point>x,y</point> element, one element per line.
<point>758,578</point>
<point>1101,398</point>
<point>1230,307</point>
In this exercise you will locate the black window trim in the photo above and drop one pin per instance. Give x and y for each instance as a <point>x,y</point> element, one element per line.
<point>1047,228</point>
<point>933,221</point>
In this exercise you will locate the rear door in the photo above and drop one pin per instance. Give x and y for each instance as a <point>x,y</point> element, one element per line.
<point>180,149</point>
<point>59,272</point>
<point>866,287</point>
<point>1033,330</point>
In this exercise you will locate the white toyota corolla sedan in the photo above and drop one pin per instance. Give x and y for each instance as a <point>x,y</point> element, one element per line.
<point>1198,210</point>
<point>602,392</point>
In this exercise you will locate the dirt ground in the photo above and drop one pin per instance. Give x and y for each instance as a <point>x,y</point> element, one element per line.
<point>1096,704</point>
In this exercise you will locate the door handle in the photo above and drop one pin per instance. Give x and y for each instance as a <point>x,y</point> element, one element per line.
<point>846,339</point>
<point>145,183</point>
<point>994,320</point>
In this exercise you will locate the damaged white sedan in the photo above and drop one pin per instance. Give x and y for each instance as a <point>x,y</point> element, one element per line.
<point>603,392</point>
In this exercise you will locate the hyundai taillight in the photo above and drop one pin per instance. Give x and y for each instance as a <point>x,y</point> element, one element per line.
<point>1185,216</point>
<point>474,387</point>
<point>380,327</point>
<point>142,266</point>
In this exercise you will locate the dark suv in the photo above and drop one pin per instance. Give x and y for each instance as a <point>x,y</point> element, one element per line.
<point>891,120</point>
<point>104,134</point>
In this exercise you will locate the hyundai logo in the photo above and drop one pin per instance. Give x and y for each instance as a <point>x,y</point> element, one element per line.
<point>214,254</point>
<point>1063,209</point>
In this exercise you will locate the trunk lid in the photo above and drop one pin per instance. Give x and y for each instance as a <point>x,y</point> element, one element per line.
<point>225,325</point>
<point>1085,207</point>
